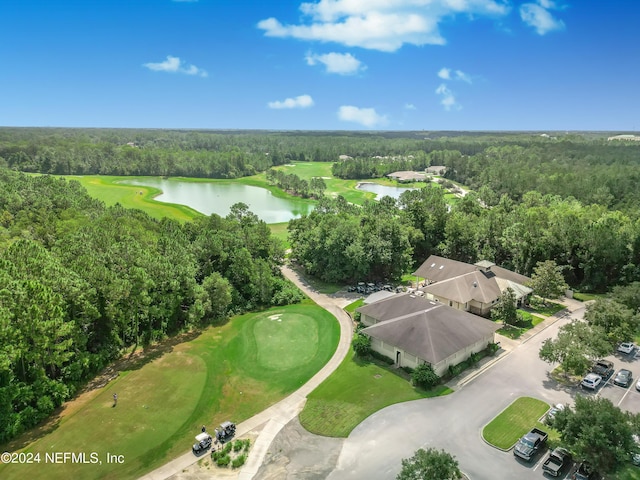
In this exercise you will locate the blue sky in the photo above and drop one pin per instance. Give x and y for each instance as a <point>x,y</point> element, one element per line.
<point>321,64</point>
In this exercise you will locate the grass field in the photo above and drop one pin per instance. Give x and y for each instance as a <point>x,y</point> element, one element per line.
<point>129,196</point>
<point>227,373</point>
<point>516,420</point>
<point>528,322</point>
<point>354,391</point>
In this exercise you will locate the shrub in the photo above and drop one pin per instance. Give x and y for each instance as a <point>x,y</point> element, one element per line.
<point>381,357</point>
<point>492,348</point>
<point>361,344</point>
<point>223,460</point>
<point>424,376</point>
<point>237,445</point>
<point>247,444</point>
<point>226,449</point>
<point>357,316</point>
<point>238,461</point>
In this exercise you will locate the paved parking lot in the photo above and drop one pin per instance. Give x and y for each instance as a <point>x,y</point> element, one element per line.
<point>625,398</point>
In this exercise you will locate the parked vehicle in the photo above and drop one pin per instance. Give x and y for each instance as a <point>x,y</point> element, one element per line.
<point>604,368</point>
<point>557,461</point>
<point>203,443</point>
<point>626,347</point>
<point>554,410</point>
<point>591,381</point>
<point>225,431</point>
<point>623,378</point>
<point>638,386</point>
<point>529,444</point>
<point>584,472</point>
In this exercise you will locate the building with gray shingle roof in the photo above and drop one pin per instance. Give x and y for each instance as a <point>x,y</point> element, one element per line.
<point>424,331</point>
<point>473,288</point>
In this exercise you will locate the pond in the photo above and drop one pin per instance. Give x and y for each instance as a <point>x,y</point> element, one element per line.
<point>218,197</point>
<point>383,190</point>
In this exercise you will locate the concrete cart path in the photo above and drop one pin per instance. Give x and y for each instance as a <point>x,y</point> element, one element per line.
<point>271,420</point>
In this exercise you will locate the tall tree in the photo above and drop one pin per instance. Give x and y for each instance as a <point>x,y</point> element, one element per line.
<point>577,345</point>
<point>547,280</point>
<point>618,322</point>
<point>505,310</point>
<point>430,464</point>
<point>597,431</point>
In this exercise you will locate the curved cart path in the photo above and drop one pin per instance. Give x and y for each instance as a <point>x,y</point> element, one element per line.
<point>278,415</point>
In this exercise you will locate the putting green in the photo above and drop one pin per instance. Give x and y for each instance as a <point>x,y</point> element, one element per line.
<point>230,372</point>
<point>285,340</point>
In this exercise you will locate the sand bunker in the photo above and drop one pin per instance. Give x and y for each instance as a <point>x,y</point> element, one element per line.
<point>275,317</point>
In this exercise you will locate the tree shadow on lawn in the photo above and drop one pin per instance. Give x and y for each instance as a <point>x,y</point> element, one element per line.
<point>133,361</point>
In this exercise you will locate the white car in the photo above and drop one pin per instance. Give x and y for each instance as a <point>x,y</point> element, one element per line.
<point>626,347</point>
<point>554,410</point>
<point>591,381</point>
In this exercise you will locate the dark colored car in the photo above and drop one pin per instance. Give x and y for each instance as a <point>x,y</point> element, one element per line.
<point>203,443</point>
<point>623,378</point>
<point>604,368</point>
<point>584,472</point>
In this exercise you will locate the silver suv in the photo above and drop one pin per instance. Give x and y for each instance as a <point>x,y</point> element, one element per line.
<point>591,381</point>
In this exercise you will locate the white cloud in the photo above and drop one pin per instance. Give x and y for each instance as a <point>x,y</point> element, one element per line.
<point>384,25</point>
<point>340,63</point>
<point>364,116</point>
<point>538,16</point>
<point>175,65</point>
<point>460,75</point>
<point>448,100</point>
<point>301,101</point>
<point>445,73</point>
<point>409,106</point>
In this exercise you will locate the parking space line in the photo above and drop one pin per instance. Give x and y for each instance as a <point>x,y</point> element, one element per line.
<point>624,396</point>
<point>539,462</point>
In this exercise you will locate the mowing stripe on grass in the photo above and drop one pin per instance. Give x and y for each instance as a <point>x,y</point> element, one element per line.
<point>517,419</point>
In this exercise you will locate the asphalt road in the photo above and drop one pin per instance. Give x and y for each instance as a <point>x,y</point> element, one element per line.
<point>454,422</point>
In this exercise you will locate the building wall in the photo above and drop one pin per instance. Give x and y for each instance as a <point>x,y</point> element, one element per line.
<point>441,368</point>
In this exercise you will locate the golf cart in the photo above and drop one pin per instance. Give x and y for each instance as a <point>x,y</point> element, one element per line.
<point>225,431</point>
<point>203,442</point>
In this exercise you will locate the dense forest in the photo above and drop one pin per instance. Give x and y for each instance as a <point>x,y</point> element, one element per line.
<point>80,282</point>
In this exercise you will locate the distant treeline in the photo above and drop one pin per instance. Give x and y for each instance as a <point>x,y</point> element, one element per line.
<point>80,282</point>
<point>582,166</point>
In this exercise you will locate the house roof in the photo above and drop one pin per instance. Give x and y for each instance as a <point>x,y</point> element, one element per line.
<point>407,175</point>
<point>509,275</point>
<point>394,307</point>
<point>436,269</point>
<point>377,296</point>
<point>433,333</point>
<point>464,288</point>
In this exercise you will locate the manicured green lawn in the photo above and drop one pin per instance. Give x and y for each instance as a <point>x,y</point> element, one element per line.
<point>352,306</point>
<point>354,391</point>
<point>279,231</point>
<point>516,420</point>
<point>546,310</point>
<point>108,190</point>
<point>528,322</point>
<point>227,373</point>
<point>585,297</point>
